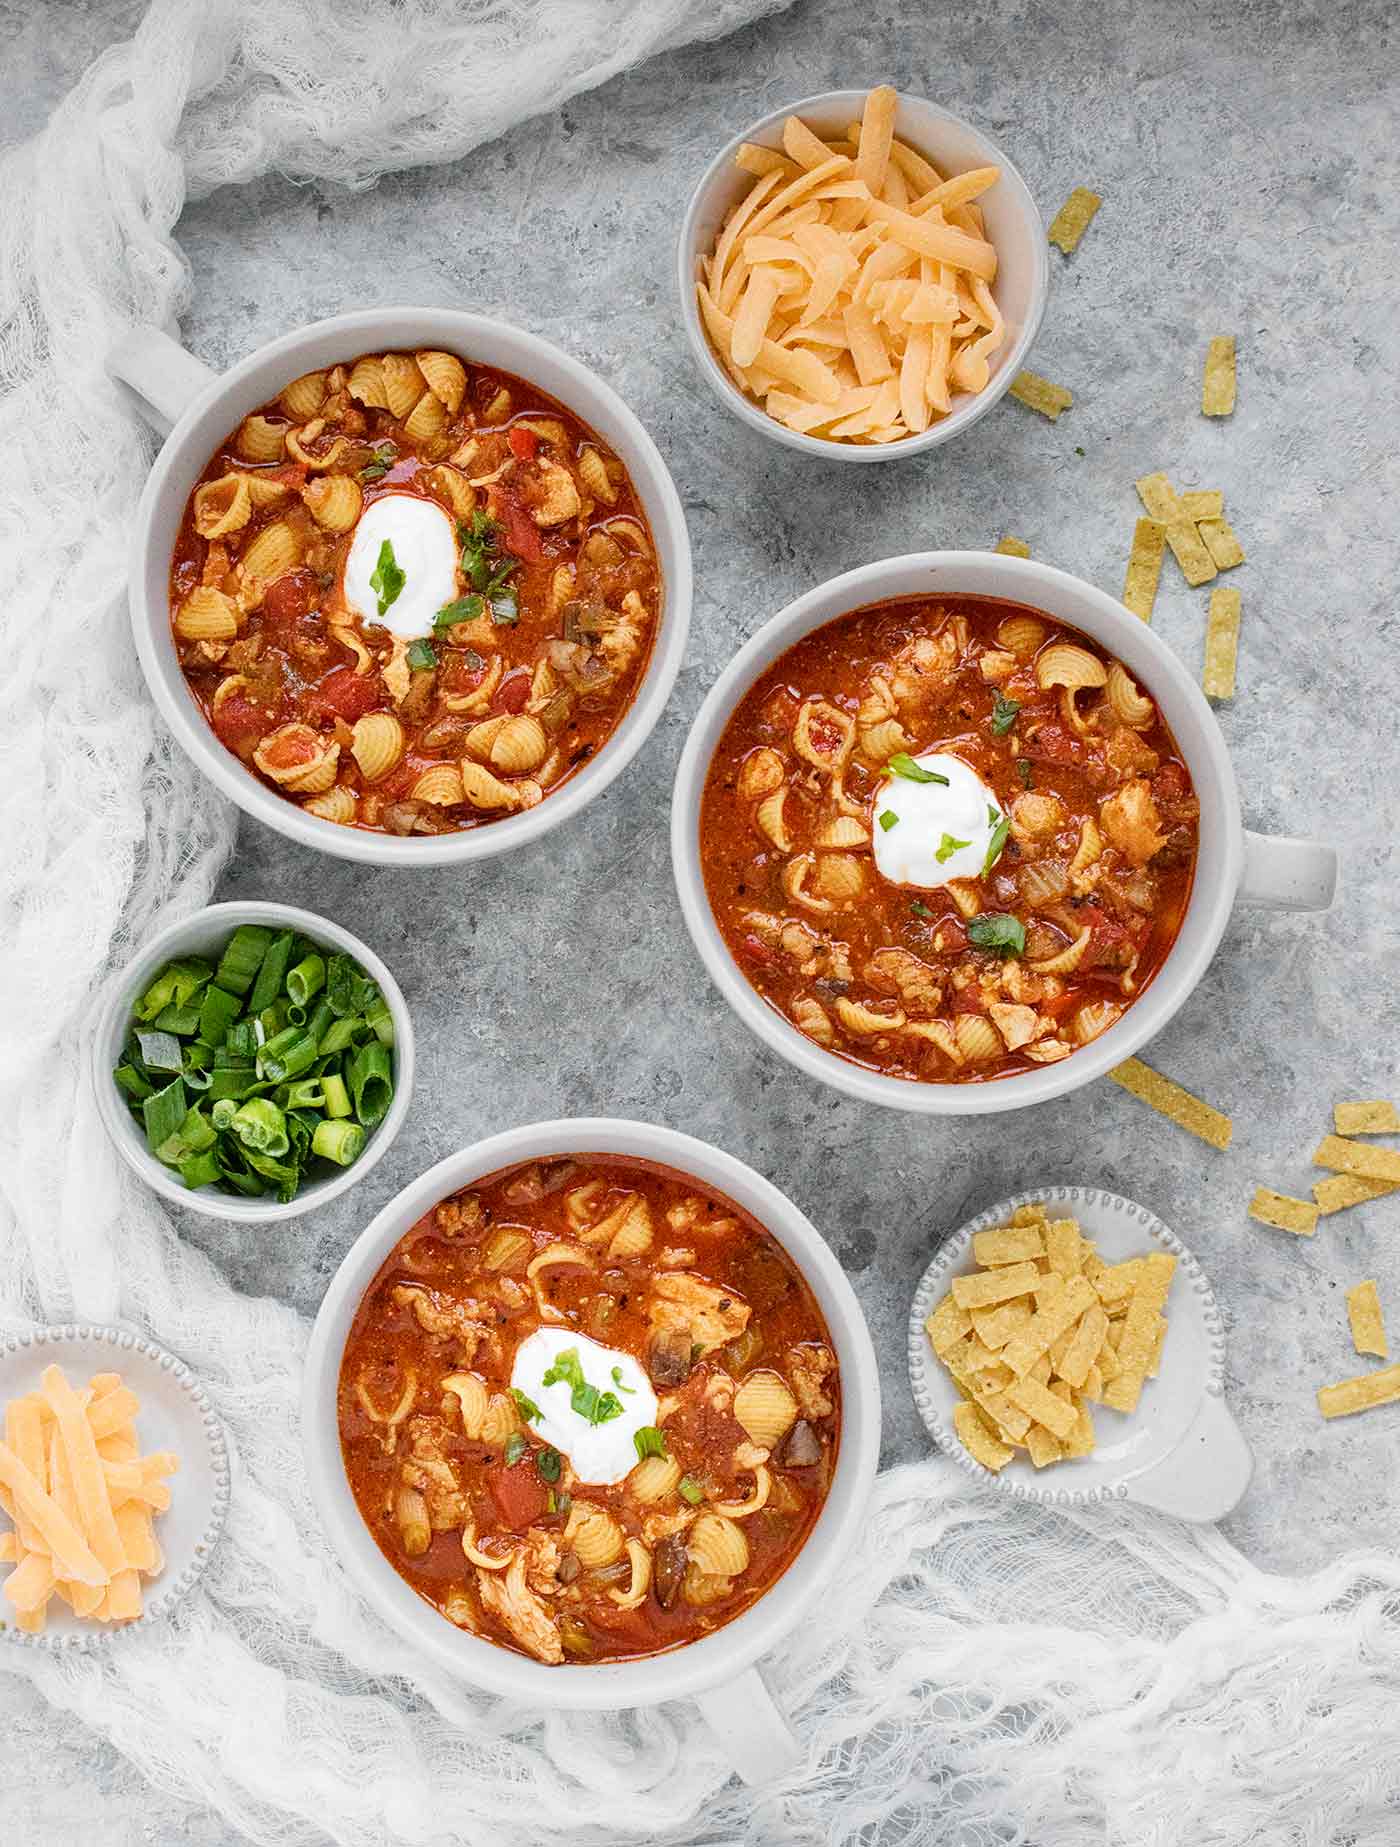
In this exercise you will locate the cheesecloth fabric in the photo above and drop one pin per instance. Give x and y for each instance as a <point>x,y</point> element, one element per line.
<point>984,1672</point>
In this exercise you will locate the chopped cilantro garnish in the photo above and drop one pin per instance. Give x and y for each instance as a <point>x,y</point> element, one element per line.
<point>465,609</point>
<point>1003,714</point>
<point>527,1407</point>
<point>379,464</point>
<point>947,847</point>
<point>386,579</point>
<point>997,842</point>
<point>920,910</point>
<point>1023,771</point>
<point>631,1390</point>
<point>999,932</point>
<point>588,1402</point>
<point>902,764</point>
<point>421,655</point>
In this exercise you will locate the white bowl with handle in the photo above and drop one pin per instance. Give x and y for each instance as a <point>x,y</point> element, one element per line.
<point>719,1669</point>
<point>1181,1452</point>
<point>1233,865</point>
<point>954,146</point>
<point>178,393</point>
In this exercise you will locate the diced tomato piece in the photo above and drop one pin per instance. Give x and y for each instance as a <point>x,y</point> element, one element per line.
<point>1112,944</point>
<point>1170,783</point>
<point>970,999</point>
<point>518,1492</point>
<point>513,691</point>
<point>346,694</point>
<point>239,722</point>
<point>949,936</point>
<point>290,597</point>
<point>1060,1004</point>
<point>521,534</point>
<point>1052,744</point>
<point>523,444</point>
<point>758,951</point>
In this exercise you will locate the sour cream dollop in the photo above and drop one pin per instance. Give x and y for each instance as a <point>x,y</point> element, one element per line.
<point>915,824</point>
<point>424,550</point>
<point>602,1452</point>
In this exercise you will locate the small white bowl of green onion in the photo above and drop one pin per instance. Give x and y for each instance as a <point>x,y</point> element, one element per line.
<point>253,1062</point>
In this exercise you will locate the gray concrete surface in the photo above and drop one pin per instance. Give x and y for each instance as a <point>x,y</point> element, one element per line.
<point>1247,160</point>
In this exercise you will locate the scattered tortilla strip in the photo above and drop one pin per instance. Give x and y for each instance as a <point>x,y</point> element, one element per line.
<point>1009,1244</point>
<point>1284,1213</point>
<point>993,1286</point>
<point>1363,1394</point>
<point>1170,1100</point>
<point>1043,1447</point>
<point>1043,1406</point>
<point>946,1326</point>
<point>1012,548</point>
<point>995,1326</point>
<point>1202,503</point>
<point>979,1438</point>
<point>1219,538</point>
<point>1218,383</point>
<point>1356,1158</point>
<point>1144,567</point>
<point>1338,1191</point>
<point>1046,1326</point>
<point>1037,393</point>
<point>1073,219</point>
<point>1159,500</point>
<point>1367,1323</point>
<point>1222,644</point>
<point>1375,1118</point>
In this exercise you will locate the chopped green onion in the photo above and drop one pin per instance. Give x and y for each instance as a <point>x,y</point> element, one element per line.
<point>217,1014</point>
<point>889,819</point>
<point>287,1054</point>
<point>947,847</point>
<point>371,1083</point>
<point>176,984</point>
<point>464,609</point>
<point>421,656</point>
<point>515,1448</point>
<point>200,1169</point>
<point>181,1020</point>
<point>261,1127</point>
<point>587,1401</point>
<point>380,1020</point>
<point>902,764</point>
<point>690,1490</point>
<point>630,1390</point>
<point>337,1097</point>
<point>339,1036</point>
<point>160,1051</point>
<point>242,958</point>
<point>649,1442</point>
<point>272,972</point>
<point>527,1407</point>
<point>550,1464</point>
<point>222,1113</point>
<point>306,980</point>
<point>130,1080</point>
<point>306,1093</point>
<point>163,1112</point>
<point>505,610</point>
<point>340,1142</point>
<point>1023,771</point>
<point>919,909</point>
<point>996,845</point>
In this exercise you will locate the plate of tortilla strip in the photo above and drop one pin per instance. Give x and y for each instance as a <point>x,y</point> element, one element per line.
<point>114,1484</point>
<point>1065,1347</point>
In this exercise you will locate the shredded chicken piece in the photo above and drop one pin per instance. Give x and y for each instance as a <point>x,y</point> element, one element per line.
<point>1021,984</point>
<point>454,1218</point>
<point>427,1469</point>
<point>677,1256</point>
<point>666,1526</point>
<point>923,668</point>
<point>559,497</point>
<point>458,1608</point>
<point>997,665</point>
<point>750,1455</point>
<point>709,1314</point>
<point>899,971</point>
<point>1016,1024</point>
<point>1130,819</point>
<point>1127,752</point>
<point>542,1561</point>
<point>808,1369</point>
<point>466,1324</point>
<point>507,1596</point>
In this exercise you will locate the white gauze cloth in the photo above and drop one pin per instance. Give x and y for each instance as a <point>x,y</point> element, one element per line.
<point>987,1672</point>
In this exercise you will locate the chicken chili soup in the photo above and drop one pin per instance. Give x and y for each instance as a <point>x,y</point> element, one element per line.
<point>949,838</point>
<point>414,594</point>
<point>589,1409</point>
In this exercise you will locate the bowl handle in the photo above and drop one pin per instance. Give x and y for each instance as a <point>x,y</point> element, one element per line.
<point>1282,874</point>
<point>164,378</point>
<point>1206,1475</point>
<point>755,1734</point>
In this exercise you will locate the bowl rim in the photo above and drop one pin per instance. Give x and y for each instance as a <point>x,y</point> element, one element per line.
<point>171,473</point>
<point>960,419</point>
<point>126,983</point>
<point>692,1667</point>
<point>1211,771</point>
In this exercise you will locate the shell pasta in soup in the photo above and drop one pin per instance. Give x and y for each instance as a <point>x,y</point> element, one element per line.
<point>413,594</point>
<point>589,1409</point>
<point>950,839</point>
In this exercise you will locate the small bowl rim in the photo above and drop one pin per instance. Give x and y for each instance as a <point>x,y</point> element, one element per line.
<point>121,989</point>
<point>713,1659</point>
<point>1149,1013</point>
<point>973,410</point>
<point>458,327</point>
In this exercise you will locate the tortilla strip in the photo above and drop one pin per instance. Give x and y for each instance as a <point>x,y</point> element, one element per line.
<point>1356,1158</point>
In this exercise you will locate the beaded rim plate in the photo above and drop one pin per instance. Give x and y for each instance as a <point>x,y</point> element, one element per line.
<point>1181,1452</point>
<point>175,1414</point>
